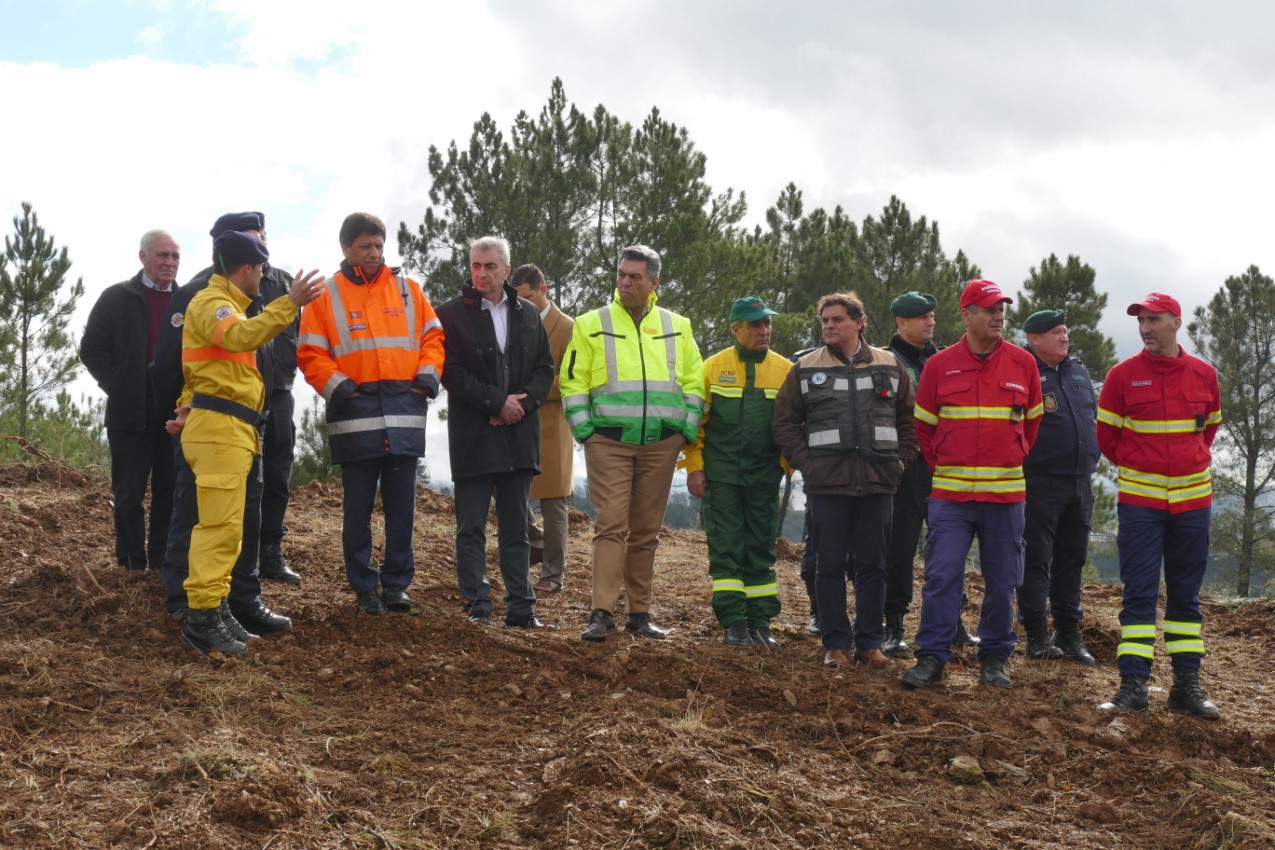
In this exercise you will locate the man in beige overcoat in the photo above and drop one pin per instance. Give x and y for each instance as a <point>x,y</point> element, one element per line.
<point>553,485</point>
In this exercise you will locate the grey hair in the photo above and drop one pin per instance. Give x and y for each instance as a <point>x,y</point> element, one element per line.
<point>149,237</point>
<point>643,252</point>
<point>500,243</point>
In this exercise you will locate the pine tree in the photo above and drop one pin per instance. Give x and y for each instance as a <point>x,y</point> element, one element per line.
<point>1069,287</point>
<point>34,319</point>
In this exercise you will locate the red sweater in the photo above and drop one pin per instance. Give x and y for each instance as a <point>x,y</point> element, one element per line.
<point>1157,417</point>
<point>977,419</point>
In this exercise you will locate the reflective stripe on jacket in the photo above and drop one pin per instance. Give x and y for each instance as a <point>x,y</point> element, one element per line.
<point>735,444</point>
<point>364,346</point>
<point>976,421</point>
<point>219,344</point>
<point>1157,417</point>
<point>638,377</point>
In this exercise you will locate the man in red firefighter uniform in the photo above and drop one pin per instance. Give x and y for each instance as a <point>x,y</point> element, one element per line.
<point>373,348</point>
<point>734,467</point>
<point>978,411</point>
<point>1157,416</point>
<point>219,415</point>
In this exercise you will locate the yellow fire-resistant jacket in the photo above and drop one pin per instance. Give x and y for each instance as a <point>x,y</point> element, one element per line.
<point>218,359</point>
<point>635,379</point>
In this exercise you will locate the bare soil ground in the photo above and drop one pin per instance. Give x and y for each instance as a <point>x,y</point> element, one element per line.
<point>427,731</point>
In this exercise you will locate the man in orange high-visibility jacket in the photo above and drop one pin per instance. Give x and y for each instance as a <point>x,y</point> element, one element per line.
<point>1157,416</point>
<point>373,348</point>
<point>218,415</point>
<point>978,410</point>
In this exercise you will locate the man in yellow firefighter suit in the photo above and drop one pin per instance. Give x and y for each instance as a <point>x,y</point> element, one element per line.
<point>735,468</point>
<point>218,416</point>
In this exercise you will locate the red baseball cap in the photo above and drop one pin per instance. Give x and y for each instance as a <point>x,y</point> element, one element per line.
<point>983,293</point>
<point>1157,302</point>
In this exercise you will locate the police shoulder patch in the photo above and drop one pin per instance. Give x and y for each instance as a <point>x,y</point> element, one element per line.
<point>177,320</point>
<point>223,313</point>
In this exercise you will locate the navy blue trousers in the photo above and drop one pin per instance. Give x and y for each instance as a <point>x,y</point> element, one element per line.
<point>905,533</point>
<point>245,581</point>
<point>953,527</point>
<point>849,532</point>
<point>396,476</point>
<point>473,501</point>
<point>1058,519</point>
<point>1148,539</point>
<point>277,448</point>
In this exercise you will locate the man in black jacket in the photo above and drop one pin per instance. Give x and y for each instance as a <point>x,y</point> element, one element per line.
<point>118,342</point>
<point>497,372</point>
<point>244,603</point>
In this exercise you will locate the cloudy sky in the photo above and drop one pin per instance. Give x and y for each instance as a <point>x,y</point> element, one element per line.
<point>1138,135</point>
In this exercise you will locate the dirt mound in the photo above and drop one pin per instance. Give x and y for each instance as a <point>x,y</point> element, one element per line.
<point>427,731</point>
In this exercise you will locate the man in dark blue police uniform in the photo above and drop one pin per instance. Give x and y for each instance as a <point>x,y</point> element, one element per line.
<point>1059,472</point>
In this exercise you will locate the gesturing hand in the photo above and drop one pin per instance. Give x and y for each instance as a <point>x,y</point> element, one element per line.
<point>306,287</point>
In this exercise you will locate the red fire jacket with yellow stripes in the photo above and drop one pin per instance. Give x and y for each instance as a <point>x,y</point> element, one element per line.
<point>365,346</point>
<point>218,359</point>
<point>1157,417</point>
<point>976,421</point>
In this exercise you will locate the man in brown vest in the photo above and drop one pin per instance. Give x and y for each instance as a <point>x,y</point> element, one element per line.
<point>553,485</point>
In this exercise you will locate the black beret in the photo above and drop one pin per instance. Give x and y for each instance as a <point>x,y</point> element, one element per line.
<point>236,247</point>
<point>238,221</point>
<point>1044,320</point>
<point>909,305</point>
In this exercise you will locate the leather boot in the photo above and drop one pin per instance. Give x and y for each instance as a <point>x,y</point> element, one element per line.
<point>1039,646</point>
<point>762,636</point>
<point>813,628</point>
<point>601,625</point>
<point>261,620</point>
<point>1067,638</point>
<point>895,644</point>
<point>927,671</point>
<point>205,631</point>
<point>737,634</point>
<point>273,567</point>
<point>1132,696</point>
<point>640,624</point>
<point>964,638</point>
<point>1187,695</point>
<point>236,629</point>
<point>992,671</point>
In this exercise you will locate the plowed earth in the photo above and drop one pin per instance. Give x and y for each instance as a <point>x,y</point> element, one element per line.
<point>424,730</point>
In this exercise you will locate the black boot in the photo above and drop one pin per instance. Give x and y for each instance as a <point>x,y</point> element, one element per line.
<point>895,644</point>
<point>261,620</point>
<point>205,631</point>
<point>1039,646</point>
<point>964,638</point>
<point>236,629</point>
<point>992,672</point>
<point>737,634</point>
<point>928,671</point>
<point>762,636</point>
<point>274,568</point>
<point>1132,696</point>
<point>1187,695</point>
<point>1067,638</point>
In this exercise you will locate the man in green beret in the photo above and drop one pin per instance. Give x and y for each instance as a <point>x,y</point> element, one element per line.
<point>735,468</point>
<point>1059,472</point>
<point>913,343</point>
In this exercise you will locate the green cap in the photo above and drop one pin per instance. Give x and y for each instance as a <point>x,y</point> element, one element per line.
<point>1044,320</point>
<point>909,305</point>
<point>750,308</point>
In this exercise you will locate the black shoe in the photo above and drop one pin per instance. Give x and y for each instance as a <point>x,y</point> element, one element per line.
<point>1067,638</point>
<point>601,625</point>
<point>371,602</point>
<point>1039,646</point>
<point>273,567</point>
<point>927,671</point>
<point>236,629</point>
<point>992,671</point>
<point>762,637</point>
<point>396,598</point>
<point>1132,696</point>
<point>737,634</point>
<point>895,644</point>
<point>527,621</point>
<point>641,625</point>
<point>259,619</point>
<point>813,628</point>
<point>1187,695</point>
<point>204,631</point>
<point>964,638</point>
<point>481,619</point>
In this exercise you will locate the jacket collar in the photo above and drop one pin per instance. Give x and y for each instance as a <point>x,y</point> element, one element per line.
<point>234,292</point>
<point>354,274</point>
<point>472,298</point>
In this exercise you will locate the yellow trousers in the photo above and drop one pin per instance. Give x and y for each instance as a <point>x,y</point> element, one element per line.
<point>221,486</point>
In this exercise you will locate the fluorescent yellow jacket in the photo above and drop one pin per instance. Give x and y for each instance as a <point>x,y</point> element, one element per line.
<point>218,359</point>
<point>632,379</point>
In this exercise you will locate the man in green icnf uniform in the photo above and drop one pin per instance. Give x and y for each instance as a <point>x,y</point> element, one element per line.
<point>734,466</point>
